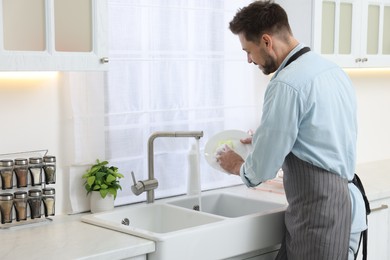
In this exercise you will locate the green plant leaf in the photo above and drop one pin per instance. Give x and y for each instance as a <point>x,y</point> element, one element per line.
<point>87,187</point>
<point>94,169</point>
<point>102,178</point>
<point>100,175</point>
<point>118,175</point>
<point>91,180</point>
<point>113,191</point>
<point>103,163</point>
<point>103,193</point>
<point>110,178</point>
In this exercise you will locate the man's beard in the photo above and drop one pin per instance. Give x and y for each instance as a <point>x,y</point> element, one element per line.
<point>270,65</point>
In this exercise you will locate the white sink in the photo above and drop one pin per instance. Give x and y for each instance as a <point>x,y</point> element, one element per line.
<point>227,205</point>
<point>228,226</point>
<point>152,221</point>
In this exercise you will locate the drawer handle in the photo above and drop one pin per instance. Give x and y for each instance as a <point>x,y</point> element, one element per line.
<point>380,208</point>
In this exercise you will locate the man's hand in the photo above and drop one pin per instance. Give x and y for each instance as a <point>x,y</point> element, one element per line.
<point>229,160</point>
<point>247,140</point>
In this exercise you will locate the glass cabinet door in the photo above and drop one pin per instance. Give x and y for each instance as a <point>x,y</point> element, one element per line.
<point>345,28</point>
<point>340,31</point>
<point>65,35</point>
<point>75,34</point>
<point>24,25</point>
<point>336,31</point>
<point>328,29</point>
<point>386,30</point>
<point>351,33</point>
<point>376,34</point>
<point>373,15</point>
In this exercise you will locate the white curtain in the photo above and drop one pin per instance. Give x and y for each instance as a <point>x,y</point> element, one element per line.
<point>174,66</point>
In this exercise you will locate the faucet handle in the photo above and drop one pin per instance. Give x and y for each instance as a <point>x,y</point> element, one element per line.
<point>138,187</point>
<point>133,176</point>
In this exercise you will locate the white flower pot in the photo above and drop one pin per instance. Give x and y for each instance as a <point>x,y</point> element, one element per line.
<point>98,204</point>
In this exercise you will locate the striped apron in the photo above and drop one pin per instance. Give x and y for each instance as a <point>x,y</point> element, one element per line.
<point>318,218</point>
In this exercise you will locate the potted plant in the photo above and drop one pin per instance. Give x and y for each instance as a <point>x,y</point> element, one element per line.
<point>102,182</point>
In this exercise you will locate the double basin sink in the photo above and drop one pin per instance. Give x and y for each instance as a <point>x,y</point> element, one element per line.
<point>218,225</point>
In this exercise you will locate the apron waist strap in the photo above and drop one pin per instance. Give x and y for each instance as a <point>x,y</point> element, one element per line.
<point>357,182</point>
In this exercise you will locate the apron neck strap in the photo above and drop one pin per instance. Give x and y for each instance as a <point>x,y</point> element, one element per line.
<point>296,55</point>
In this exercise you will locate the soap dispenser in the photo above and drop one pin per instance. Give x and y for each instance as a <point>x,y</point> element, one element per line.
<point>193,177</point>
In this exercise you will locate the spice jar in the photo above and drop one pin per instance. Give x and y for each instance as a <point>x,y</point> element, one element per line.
<point>35,202</point>
<point>35,168</point>
<point>49,167</point>
<point>6,207</point>
<point>48,198</point>
<point>21,172</point>
<point>6,171</point>
<point>20,204</point>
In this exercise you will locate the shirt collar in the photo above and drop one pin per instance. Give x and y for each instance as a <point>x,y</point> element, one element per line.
<point>296,49</point>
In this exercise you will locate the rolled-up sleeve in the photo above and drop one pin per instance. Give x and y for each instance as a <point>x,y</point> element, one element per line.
<point>276,135</point>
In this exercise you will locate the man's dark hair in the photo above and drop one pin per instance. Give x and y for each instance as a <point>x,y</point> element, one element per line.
<point>258,18</point>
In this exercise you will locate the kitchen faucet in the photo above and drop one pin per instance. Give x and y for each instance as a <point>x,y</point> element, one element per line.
<point>151,183</point>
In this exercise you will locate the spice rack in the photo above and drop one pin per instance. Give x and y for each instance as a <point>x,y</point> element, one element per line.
<point>26,195</point>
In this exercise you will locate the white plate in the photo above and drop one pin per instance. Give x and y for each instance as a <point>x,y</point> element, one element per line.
<point>229,135</point>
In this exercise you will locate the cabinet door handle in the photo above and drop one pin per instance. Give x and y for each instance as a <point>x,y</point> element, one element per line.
<point>358,60</point>
<point>364,59</point>
<point>104,60</point>
<point>383,206</point>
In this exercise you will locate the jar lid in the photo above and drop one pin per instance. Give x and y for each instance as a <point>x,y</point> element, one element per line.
<point>34,193</point>
<point>6,163</point>
<point>49,158</point>
<point>20,195</point>
<point>6,196</point>
<point>21,161</point>
<point>35,160</point>
<point>49,191</point>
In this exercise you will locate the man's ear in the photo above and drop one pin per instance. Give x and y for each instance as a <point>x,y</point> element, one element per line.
<point>267,40</point>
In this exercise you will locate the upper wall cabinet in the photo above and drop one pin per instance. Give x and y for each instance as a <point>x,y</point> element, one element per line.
<point>63,35</point>
<point>352,33</point>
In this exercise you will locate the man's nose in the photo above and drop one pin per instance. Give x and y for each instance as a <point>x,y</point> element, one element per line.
<point>249,58</point>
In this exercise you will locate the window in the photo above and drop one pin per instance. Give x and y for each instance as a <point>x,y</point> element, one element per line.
<point>174,66</point>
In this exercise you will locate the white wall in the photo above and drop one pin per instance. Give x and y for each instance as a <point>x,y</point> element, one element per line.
<point>30,109</point>
<point>373,94</point>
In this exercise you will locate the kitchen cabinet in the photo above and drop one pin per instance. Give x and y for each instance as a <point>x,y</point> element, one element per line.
<point>63,35</point>
<point>141,257</point>
<point>352,33</point>
<point>267,256</point>
<point>263,254</point>
<point>378,230</point>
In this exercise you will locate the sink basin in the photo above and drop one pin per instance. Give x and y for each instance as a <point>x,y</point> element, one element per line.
<point>227,205</point>
<point>152,221</point>
<point>216,232</point>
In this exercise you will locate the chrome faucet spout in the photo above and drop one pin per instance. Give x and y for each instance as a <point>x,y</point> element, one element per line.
<point>151,184</point>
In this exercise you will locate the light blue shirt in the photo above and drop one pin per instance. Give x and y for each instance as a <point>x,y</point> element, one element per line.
<point>310,110</point>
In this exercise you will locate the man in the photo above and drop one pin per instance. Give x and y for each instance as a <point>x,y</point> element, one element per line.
<point>308,127</point>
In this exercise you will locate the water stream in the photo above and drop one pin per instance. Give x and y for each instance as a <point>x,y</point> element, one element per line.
<point>199,187</point>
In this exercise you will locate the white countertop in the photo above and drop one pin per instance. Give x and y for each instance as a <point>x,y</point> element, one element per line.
<point>66,237</point>
<point>375,177</point>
